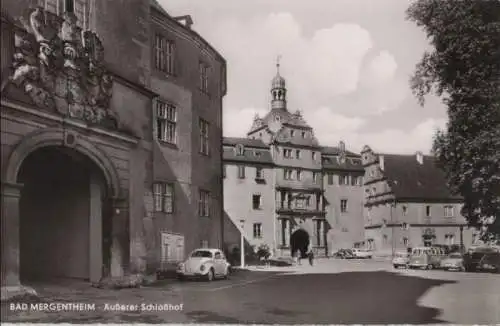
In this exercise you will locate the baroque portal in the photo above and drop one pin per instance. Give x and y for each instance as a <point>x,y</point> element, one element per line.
<point>61,67</point>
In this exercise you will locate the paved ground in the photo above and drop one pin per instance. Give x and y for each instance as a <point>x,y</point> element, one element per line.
<point>332,292</point>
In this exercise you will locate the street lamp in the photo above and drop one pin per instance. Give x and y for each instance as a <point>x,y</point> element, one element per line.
<point>242,244</point>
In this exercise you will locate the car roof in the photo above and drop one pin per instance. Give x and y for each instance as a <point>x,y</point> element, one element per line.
<point>207,249</point>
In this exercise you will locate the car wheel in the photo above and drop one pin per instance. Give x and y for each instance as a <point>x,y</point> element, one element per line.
<point>226,274</point>
<point>210,275</point>
<point>429,267</point>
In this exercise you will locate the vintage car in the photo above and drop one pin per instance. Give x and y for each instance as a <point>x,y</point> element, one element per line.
<point>362,253</point>
<point>204,263</point>
<point>454,261</point>
<point>482,259</point>
<point>426,257</point>
<point>401,259</point>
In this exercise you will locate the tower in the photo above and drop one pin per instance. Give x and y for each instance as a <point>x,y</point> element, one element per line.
<point>278,90</point>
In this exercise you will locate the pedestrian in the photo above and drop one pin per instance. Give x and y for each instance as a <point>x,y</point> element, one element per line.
<point>310,255</point>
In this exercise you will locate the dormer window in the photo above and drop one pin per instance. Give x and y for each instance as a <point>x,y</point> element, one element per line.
<point>240,150</point>
<point>303,134</point>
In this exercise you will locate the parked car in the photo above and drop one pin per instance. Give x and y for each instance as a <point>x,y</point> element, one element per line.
<point>454,261</point>
<point>204,263</point>
<point>426,257</point>
<point>401,259</point>
<point>362,253</point>
<point>484,259</point>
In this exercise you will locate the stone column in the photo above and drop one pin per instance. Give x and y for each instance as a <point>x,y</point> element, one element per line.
<point>120,237</point>
<point>11,194</point>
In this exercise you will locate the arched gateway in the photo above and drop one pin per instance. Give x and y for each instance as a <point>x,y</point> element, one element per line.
<point>299,242</point>
<point>57,192</point>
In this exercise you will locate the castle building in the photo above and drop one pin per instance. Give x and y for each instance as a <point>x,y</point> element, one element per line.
<point>407,204</point>
<point>285,190</point>
<point>111,116</point>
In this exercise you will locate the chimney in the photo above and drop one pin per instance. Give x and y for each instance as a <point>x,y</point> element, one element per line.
<point>381,162</point>
<point>186,20</point>
<point>420,157</point>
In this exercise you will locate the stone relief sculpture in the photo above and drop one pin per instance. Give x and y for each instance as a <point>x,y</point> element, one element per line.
<point>60,67</point>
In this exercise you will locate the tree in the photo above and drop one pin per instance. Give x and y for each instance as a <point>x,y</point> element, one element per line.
<point>463,68</point>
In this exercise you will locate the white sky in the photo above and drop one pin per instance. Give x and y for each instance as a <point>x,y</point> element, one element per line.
<point>346,63</point>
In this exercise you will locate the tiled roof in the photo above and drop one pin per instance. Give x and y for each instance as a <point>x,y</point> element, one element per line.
<point>262,156</point>
<point>283,137</point>
<point>283,116</point>
<point>410,179</point>
<point>247,142</point>
<point>334,164</point>
<point>329,150</point>
<point>157,5</point>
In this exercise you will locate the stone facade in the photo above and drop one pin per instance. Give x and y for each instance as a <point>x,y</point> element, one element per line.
<point>296,190</point>
<point>407,204</point>
<point>81,110</point>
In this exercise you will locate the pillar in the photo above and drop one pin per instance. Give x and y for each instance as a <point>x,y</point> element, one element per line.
<point>95,230</point>
<point>120,237</point>
<point>11,194</point>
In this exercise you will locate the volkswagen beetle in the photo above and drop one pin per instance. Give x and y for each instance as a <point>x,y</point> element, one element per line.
<point>205,263</point>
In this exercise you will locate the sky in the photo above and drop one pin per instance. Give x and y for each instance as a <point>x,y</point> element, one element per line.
<point>347,65</point>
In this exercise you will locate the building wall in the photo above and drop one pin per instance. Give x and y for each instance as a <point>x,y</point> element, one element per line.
<point>182,163</point>
<point>347,228</point>
<point>137,156</point>
<point>238,203</point>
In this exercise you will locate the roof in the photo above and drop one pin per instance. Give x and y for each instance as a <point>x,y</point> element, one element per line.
<point>333,163</point>
<point>330,150</point>
<point>254,151</point>
<point>247,142</point>
<point>411,180</point>
<point>281,115</point>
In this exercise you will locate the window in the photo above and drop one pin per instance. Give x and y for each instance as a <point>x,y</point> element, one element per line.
<point>316,177</point>
<point>204,244</point>
<point>374,191</point>
<point>300,202</point>
<point>259,173</point>
<point>385,239</point>
<point>164,54</point>
<point>288,174</point>
<point>354,181</point>
<point>292,133</point>
<point>241,172</point>
<point>204,143</point>
<point>297,154</point>
<point>405,210</point>
<point>257,230</point>
<point>427,211</point>
<point>287,153</point>
<point>256,201</point>
<point>360,181</point>
<point>405,241</point>
<point>224,168</point>
<point>163,197</point>
<point>449,239</point>
<point>303,134</point>
<point>343,179</point>
<point>313,156</point>
<point>203,77</point>
<point>204,203</point>
<point>166,122</point>
<point>448,211</point>
<point>343,205</point>
<point>299,175</point>
<point>240,150</point>
<point>330,178</point>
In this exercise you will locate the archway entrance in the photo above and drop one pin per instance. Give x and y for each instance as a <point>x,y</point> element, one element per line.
<point>64,232</point>
<point>299,242</point>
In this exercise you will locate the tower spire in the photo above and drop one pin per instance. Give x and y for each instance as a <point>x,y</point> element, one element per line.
<point>278,89</point>
<point>278,64</point>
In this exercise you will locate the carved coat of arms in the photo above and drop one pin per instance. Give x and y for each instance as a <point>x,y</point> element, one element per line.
<point>60,67</point>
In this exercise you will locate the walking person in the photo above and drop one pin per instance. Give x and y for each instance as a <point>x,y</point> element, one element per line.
<point>310,255</point>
